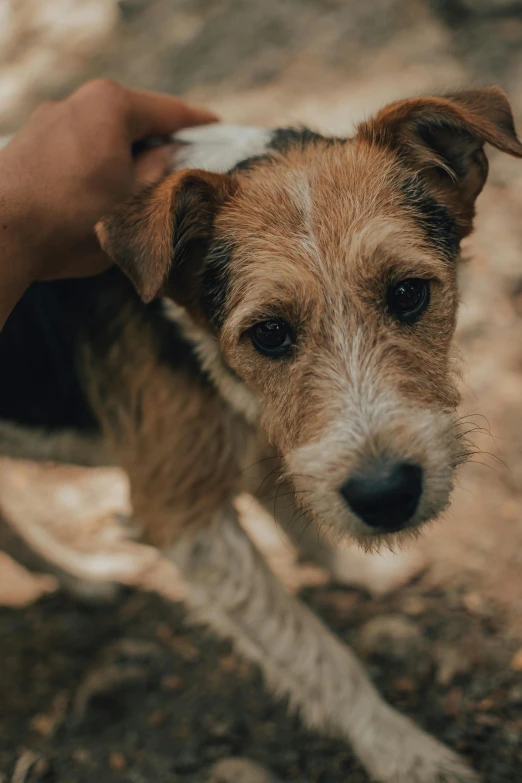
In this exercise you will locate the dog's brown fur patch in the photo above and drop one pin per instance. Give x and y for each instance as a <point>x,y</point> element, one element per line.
<point>167,427</point>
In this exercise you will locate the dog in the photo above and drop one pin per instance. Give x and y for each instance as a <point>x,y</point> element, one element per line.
<point>281,314</point>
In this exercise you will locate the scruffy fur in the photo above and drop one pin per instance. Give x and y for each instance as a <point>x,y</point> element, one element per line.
<point>256,225</point>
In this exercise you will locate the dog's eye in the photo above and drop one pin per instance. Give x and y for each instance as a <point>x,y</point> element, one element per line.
<point>409,299</point>
<point>271,338</point>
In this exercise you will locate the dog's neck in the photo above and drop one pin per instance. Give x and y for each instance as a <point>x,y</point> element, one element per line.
<point>231,388</point>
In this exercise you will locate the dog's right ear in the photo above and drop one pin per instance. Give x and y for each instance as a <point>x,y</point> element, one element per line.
<point>159,235</point>
<point>441,140</point>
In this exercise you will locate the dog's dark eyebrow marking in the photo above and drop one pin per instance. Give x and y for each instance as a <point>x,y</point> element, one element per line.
<point>249,163</point>
<point>439,224</point>
<point>283,139</point>
<point>215,282</point>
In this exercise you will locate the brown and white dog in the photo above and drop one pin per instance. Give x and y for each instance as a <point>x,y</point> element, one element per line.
<point>295,306</point>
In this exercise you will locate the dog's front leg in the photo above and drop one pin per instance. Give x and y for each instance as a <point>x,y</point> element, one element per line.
<point>232,590</point>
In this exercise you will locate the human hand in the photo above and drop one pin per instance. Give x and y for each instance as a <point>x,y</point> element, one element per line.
<point>70,164</point>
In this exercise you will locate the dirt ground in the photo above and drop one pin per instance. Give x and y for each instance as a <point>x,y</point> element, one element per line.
<point>124,691</point>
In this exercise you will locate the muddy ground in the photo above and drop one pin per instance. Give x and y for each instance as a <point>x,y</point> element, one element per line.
<point>127,693</point>
<point>124,692</point>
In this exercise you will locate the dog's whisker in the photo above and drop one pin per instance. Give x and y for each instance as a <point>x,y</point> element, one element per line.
<point>255,464</point>
<point>266,478</point>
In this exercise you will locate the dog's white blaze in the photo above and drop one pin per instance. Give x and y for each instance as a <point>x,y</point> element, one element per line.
<point>218,148</point>
<point>299,189</point>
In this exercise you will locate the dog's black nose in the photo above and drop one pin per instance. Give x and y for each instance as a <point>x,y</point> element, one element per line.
<point>386,494</point>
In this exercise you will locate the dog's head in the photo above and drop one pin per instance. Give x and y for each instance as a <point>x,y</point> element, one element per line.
<point>320,275</point>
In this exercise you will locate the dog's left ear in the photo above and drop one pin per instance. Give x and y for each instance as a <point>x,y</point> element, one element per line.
<point>160,236</point>
<point>442,140</point>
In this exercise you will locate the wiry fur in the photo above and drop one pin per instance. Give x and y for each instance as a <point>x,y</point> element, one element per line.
<point>289,225</point>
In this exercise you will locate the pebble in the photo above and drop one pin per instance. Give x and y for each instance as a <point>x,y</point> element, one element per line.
<point>404,685</point>
<point>414,605</point>
<point>240,771</point>
<point>343,602</point>
<point>117,762</point>
<point>451,662</point>
<point>397,638</point>
<point>512,734</point>
<point>171,682</point>
<point>516,661</point>
<point>515,695</point>
<point>81,755</point>
<point>158,717</point>
<point>487,720</point>
<point>453,702</point>
<point>475,604</point>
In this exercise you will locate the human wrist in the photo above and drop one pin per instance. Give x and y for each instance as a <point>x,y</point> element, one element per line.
<point>20,234</point>
<point>17,262</point>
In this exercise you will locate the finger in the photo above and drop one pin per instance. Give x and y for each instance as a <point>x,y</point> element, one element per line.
<point>157,114</point>
<point>152,165</point>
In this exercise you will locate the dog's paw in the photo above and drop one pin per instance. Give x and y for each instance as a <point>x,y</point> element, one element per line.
<point>405,754</point>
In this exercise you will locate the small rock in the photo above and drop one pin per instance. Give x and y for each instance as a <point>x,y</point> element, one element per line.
<point>117,762</point>
<point>516,661</point>
<point>341,601</point>
<point>511,733</point>
<point>81,756</point>
<point>179,644</point>
<point>515,695</point>
<point>451,661</point>
<point>132,648</point>
<point>414,606</point>
<point>228,663</point>
<point>221,729</point>
<point>171,682</point>
<point>158,717</point>
<point>399,639</point>
<point>404,685</point>
<point>474,603</point>
<point>488,720</point>
<point>453,702</point>
<point>240,771</point>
